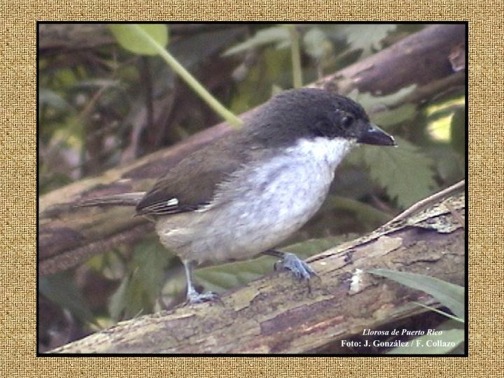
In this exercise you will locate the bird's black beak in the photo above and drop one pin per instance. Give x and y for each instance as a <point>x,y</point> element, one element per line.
<point>375,135</point>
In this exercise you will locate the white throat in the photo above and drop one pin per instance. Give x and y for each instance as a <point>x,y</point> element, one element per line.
<point>323,150</point>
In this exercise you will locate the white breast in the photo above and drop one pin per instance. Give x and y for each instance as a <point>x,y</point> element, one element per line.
<point>261,206</point>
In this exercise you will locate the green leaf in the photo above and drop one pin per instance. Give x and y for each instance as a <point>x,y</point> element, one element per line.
<point>151,40</point>
<point>142,285</point>
<point>311,247</point>
<point>395,116</point>
<point>367,37</point>
<point>448,294</point>
<point>316,44</point>
<point>130,39</point>
<point>367,215</point>
<point>368,101</point>
<point>276,34</point>
<point>53,99</point>
<point>60,288</point>
<point>149,262</point>
<point>384,108</point>
<point>119,300</point>
<point>449,165</point>
<point>404,171</point>
<point>441,312</point>
<point>457,130</point>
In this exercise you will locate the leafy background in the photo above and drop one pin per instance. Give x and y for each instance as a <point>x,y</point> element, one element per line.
<point>111,101</point>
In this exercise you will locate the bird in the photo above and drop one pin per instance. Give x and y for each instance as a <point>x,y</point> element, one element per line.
<point>247,192</point>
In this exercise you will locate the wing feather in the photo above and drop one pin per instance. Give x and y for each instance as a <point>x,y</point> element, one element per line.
<point>191,184</point>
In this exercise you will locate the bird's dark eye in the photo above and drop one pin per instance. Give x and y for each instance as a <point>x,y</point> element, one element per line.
<point>347,121</point>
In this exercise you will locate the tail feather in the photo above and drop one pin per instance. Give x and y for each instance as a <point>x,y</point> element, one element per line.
<point>124,199</point>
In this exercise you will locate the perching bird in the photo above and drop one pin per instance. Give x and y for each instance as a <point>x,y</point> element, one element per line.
<point>249,191</point>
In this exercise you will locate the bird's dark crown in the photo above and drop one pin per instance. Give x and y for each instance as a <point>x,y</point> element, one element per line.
<point>306,113</point>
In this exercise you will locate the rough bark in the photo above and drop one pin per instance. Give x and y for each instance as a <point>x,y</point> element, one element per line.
<point>422,58</point>
<point>277,315</point>
<point>65,231</point>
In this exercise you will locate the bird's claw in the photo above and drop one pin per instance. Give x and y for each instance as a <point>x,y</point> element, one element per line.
<point>292,263</point>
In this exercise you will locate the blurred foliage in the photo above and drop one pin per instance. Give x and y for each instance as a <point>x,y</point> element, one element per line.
<point>102,106</point>
<point>142,283</point>
<point>449,295</point>
<point>449,337</point>
<point>129,39</point>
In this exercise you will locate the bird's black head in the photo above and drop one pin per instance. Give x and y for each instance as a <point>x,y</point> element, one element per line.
<point>310,113</point>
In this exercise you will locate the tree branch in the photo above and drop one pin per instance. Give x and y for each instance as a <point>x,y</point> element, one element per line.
<point>277,315</point>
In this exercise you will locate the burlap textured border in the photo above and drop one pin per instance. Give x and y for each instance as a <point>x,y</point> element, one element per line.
<point>18,186</point>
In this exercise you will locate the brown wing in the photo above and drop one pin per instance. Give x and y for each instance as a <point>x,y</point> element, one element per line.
<point>192,182</point>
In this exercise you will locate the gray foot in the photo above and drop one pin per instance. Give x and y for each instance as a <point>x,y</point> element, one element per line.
<point>296,266</point>
<point>195,297</point>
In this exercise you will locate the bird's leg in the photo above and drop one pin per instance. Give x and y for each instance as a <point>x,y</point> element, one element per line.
<point>289,261</point>
<point>192,295</point>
